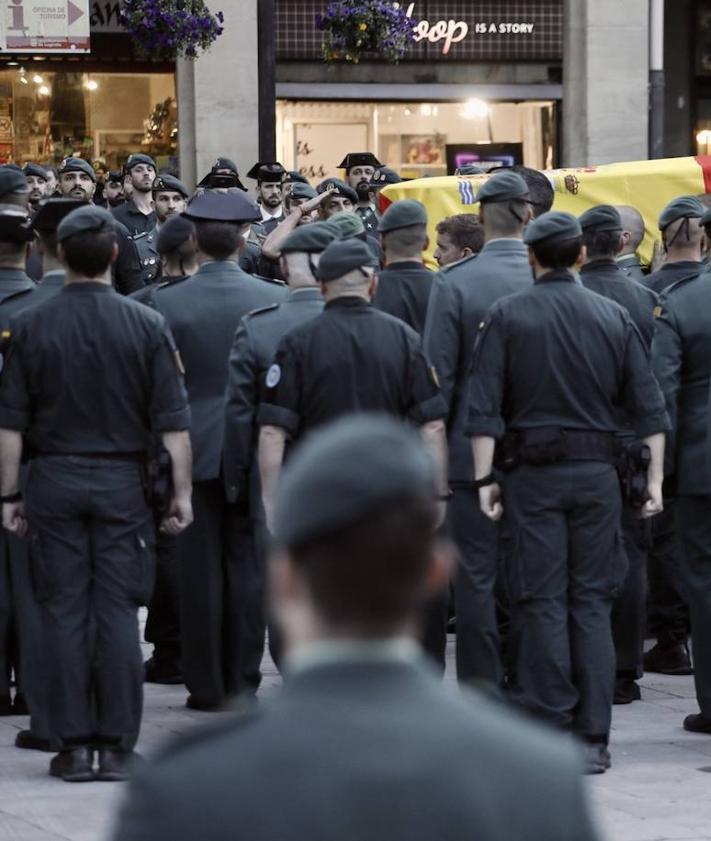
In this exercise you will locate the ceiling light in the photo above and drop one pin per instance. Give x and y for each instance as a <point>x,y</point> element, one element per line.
<point>92,85</point>
<point>43,90</point>
<point>475,109</point>
<point>37,79</point>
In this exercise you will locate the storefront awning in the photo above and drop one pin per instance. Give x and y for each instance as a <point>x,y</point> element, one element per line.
<point>415,92</point>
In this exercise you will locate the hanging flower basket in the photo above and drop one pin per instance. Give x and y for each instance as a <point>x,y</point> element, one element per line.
<point>353,28</point>
<point>167,29</point>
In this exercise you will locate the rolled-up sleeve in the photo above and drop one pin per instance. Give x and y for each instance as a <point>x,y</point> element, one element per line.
<point>284,385</point>
<point>667,353</point>
<point>426,401</point>
<point>487,379</point>
<point>169,400</point>
<point>442,335</point>
<point>15,401</point>
<point>642,396</point>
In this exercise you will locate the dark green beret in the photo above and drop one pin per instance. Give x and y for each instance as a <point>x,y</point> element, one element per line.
<point>603,217</point>
<point>52,211</point>
<point>12,181</point>
<point>384,176</point>
<point>139,158</point>
<point>706,218</point>
<point>340,189</point>
<point>505,186</point>
<point>349,224</point>
<point>684,207</point>
<point>312,238</point>
<point>403,214</point>
<point>223,207</point>
<point>36,170</point>
<point>114,177</point>
<point>349,469</point>
<point>302,191</point>
<point>343,256</point>
<point>293,176</point>
<point>169,184</point>
<point>77,165</point>
<point>555,223</point>
<point>175,231</point>
<point>84,219</point>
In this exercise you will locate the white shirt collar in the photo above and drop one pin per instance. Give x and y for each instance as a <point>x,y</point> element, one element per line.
<point>326,652</point>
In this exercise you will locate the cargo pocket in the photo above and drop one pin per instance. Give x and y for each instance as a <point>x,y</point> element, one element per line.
<point>40,572</point>
<point>144,572</point>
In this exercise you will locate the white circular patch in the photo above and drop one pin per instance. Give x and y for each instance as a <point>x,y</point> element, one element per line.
<point>273,376</point>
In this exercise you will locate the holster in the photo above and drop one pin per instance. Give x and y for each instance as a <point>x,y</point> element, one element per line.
<point>158,479</point>
<point>632,468</point>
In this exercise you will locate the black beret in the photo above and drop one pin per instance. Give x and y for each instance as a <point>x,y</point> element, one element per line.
<point>77,165</point>
<point>225,164</point>
<point>294,177</point>
<point>270,172</point>
<point>505,186</point>
<point>359,159</point>
<point>139,158</point>
<point>114,177</point>
<point>52,211</point>
<point>555,223</point>
<point>340,188</point>
<point>706,218</point>
<point>169,184</point>
<point>684,207</point>
<point>403,214</point>
<point>312,238</point>
<point>83,219</point>
<point>12,181</point>
<point>36,170</point>
<point>603,217</point>
<point>353,467</point>
<point>384,176</point>
<point>173,233</point>
<point>343,256</point>
<point>303,191</point>
<point>15,225</point>
<point>223,207</point>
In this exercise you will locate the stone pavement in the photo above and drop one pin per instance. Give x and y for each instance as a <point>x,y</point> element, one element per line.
<point>659,787</point>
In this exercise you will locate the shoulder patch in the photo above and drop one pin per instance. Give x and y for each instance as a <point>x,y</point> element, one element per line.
<point>658,311</point>
<point>273,376</point>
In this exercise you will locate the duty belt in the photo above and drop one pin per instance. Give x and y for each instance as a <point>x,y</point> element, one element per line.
<point>552,444</point>
<point>135,457</point>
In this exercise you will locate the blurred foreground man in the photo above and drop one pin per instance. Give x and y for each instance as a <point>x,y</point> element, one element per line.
<point>363,742</point>
<point>90,528</point>
<point>552,367</point>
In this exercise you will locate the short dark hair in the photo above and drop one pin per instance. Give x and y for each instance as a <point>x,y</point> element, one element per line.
<point>409,240</point>
<point>558,253</point>
<point>371,575</point>
<point>218,240</point>
<point>49,241</point>
<point>89,253</point>
<point>601,243</point>
<point>540,191</point>
<point>464,230</point>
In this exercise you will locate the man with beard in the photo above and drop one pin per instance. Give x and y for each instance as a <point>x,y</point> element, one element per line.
<point>269,176</point>
<point>360,168</point>
<point>77,180</point>
<point>113,189</point>
<point>36,182</point>
<point>170,197</point>
<point>137,212</point>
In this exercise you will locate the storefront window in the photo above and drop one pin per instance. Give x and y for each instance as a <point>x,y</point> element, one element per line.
<point>416,139</point>
<point>47,116</point>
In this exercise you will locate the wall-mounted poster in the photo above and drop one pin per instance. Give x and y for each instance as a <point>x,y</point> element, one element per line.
<point>486,155</point>
<point>428,149</point>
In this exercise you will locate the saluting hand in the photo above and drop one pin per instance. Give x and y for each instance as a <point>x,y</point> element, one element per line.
<point>179,516</point>
<point>14,518</point>
<point>490,501</point>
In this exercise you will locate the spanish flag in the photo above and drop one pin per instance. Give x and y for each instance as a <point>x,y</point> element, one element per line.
<point>646,185</point>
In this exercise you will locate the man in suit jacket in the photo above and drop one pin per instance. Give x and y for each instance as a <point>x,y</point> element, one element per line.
<point>203,313</point>
<point>461,295</point>
<point>363,742</point>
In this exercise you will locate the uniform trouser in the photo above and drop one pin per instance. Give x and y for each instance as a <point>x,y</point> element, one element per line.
<point>222,594</point>
<point>19,605</point>
<point>262,544</point>
<point>630,608</point>
<point>669,613</point>
<point>477,539</point>
<point>694,522</point>
<point>163,622</point>
<point>565,568</point>
<point>92,561</point>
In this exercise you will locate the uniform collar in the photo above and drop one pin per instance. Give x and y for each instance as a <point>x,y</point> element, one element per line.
<point>405,265</point>
<point>500,244</point>
<point>331,652</point>
<point>557,276</point>
<point>267,216</point>
<point>131,208</point>
<point>15,280</point>
<point>53,278</point>
<point>218,266</point>
<point>629,260</point>
<point>305,293</point>
<point>87,287</point>
<point>608,263</point>
<point>348,302</point>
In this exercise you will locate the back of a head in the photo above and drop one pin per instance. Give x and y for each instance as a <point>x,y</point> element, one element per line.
<point>218,240</point>
<point>355,509</point>
<point>556,239</point>
<point>464,230</point>
<point>602,232</point>
<point>87,238</point>
<point>540,189</point>
<point>405,243</point>
<point>504,205</point>
<point>683,234</point>
<point>633,223</point>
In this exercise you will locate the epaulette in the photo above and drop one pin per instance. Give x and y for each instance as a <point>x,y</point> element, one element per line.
<point>270,280</point>
<point>17,294</point>
<point>261,310</point>
<point>173,281</point>
<point>681,282</point>
<point>445,269</point>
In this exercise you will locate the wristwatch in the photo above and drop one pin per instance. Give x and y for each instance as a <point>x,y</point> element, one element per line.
<point>485,481</point>
<point>16,497</point>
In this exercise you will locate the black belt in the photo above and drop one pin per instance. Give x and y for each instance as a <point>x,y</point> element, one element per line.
<point>548,445</point>
<point>137,457</point>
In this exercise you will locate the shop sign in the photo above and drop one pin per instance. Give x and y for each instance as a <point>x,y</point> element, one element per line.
<point>45,26</point>
<point>105,16</point>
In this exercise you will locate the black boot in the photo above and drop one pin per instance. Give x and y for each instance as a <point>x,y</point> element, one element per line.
<point>626,691</point>
<point>115,765</point>
<point>73,766</point>
<point>668,659</point>
<point>697,723</point>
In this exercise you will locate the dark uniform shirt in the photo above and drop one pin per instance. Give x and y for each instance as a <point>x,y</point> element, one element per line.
<point>559,355</point>
<point>255,343</point>
<point>681,358</point>
<point>148,254</point>
<point>135,221</point>
<point>404,291</point>
<point>146,295</point>
<point>15,288</point>
<point>91,372</point>
<point>606,278</point>
<point>671,273</point>
<point>631,266</point>
<point>351,358</point>
<point>51,284</point>
<point>370,218</point>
